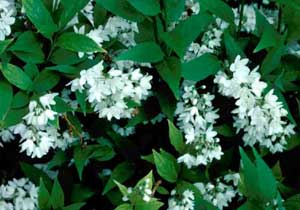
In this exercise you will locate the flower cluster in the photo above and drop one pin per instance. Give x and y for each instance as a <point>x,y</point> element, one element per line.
<point>37,133</point>
<point>19,194</point>
<point>144,189</point>
<point>222,192</point>
<point>196,118</point>
<point>181,202</point>
<point>110,92</point>
<point>261,117</point>
<point>7,17</point>
<point>210,42</point>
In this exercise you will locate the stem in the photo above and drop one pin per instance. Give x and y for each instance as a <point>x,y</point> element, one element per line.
<point>156,186</point>
<point>241,17</point>
<point>73,128</point>
<point>279,19</point>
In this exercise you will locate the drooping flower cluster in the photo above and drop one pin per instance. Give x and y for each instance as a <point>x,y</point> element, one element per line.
<point>222,192</point>
<point>210,42</point>
<point>181,202</point>
<point>196,118</point>
<point>19,194</point>
<point>262,118</point>
<point>7,17</point>
<point>37,133</point>
<point>110,92</point>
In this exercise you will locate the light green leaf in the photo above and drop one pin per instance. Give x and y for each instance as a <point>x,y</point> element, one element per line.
<point>77,43</point>
<point>166,165</point>
<point>151,205</point>
<point>122,8</point>
<point>6,97</point>
<point>57,195</point>
<point>121,173</point>
<point>143,52</point>
<point>13,117</point>
<point>147,7</point>
<point>186,32</point>
<point>40,17</point>
<point>170,71</point>
<point>16,76</point>
<point>201,67</point>
<point>176,137</point>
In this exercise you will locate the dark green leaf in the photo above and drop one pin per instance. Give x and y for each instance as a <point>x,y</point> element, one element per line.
<point>201,67</point>
<point>64,69</point>
<point>57,195</point>
<point>70,9</point>
<point>14,116</point>
<point>219,8</point>
<point>292,203</point>
<point>166,165</point>
<point>6,97</point>
<point>43,197</point>
<point>232,47</point>
<point>176,137</point>
<point>20,100</point>
<point>269,39</point>
<point>186,32</point>
<point>122,8</point>
<point>174,9</point>
<point>4,44</point>
<point>143,52</point>
<point>74,206</point>
<point>121,173</point>
<point>124,206</point>
<point>147,7</point>
<point>16,76</point>
<point>170,71</point>
<point>40,17</point>
<point>45,80</point>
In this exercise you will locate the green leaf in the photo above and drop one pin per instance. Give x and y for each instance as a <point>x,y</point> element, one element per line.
<point>81,156</point>
<point>4,44</point>
<point>266,178</point>
<point>40,17</point>
<point>225,130</point>
<point>27,48</point>
<point>6,96</point>
<point>57,195</point>
<point>176,137</point>
<point>43,197</point>
<point>124,206</point>
<point>13,117</point>
<point>70,9</point>
<point>74,206</point>
<point>232,47</point>
<point>269,39</point>
<point>16,76</point>
<point>66,69</point>
<point>170,72</point>
<point>201,67</point>
<point>291,20</point>
<point>174,9</point>
<point>35,175</point>
<point>147,7</point>
<point>186,32</point>
<point>20,100</point>
<point>219,8</point>
<point>45,81</point>
<point>292,203</point>
<point>167,102</point>
<point>31,70</point>
<point>80,193</point>
<point>58,160</point>
<point>143,52</point>
<point>65,57</point>
<point>121,173</point>
<point>77,43</point>
<point>151,205</point>
<point>273,58</point>
<point>122,8</point>
<point>166,165</point>
<point>81,99</point>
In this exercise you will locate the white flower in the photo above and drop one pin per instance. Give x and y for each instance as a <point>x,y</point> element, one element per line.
<point>260,117</point>
<point>185,203</point>
<point>196,117</point>
<point>7,17</point>
<point>249,18</point>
